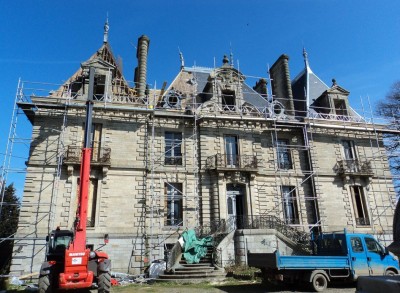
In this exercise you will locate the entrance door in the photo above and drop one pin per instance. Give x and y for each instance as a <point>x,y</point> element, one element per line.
<point>231,151</point>
<point>235,206</point>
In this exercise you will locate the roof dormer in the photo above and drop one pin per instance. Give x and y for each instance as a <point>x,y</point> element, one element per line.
<point>225,86</point>
<point>334,102</point>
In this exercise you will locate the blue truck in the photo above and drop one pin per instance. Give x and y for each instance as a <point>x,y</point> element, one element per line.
<point>335,256</point>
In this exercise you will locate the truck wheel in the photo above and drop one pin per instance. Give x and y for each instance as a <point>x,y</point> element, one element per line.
<point>319,282</point>
<point>104,282</point>
<point>390,273</point>
<point>45,285</point>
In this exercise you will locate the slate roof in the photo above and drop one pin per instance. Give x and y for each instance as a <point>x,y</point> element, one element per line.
<point>314,85</point>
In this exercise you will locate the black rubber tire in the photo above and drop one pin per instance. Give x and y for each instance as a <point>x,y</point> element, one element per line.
<point>45,285</point>
<point>104,282</point>
<point>390,273</point>
<point>319,283</point>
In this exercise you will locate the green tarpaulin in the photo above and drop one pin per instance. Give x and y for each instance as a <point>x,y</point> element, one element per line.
<point>194,249</point>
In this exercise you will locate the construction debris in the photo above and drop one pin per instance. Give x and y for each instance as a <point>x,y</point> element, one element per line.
<point>122,279</point>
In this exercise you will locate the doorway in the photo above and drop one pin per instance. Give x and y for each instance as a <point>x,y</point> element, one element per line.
<point>235,194</point>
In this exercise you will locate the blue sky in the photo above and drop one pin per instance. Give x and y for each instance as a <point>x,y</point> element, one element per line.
<point>357,42</point>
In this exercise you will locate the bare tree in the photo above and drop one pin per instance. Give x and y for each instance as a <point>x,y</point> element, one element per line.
<point>389,108</point>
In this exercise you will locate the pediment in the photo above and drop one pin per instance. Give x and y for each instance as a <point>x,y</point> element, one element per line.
<point>98,63</point>
<point>337,90</point>
<point>227,75</point>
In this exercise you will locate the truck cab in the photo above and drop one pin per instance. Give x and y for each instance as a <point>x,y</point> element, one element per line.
<point>369,257</point>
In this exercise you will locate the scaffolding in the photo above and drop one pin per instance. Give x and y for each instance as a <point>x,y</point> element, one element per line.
<point>156,178</point>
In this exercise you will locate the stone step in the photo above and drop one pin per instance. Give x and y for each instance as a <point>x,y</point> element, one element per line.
<point>182,271</point>
<point>204,259</point>
<point>197,265</point>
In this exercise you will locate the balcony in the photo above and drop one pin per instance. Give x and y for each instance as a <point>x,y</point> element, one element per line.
<point>232,162</point>
<point>100,156</point>
<point>173,161</point>
<point>354,167</point>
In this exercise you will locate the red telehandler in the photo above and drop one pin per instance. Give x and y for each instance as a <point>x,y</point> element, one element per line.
<point>69,263</point>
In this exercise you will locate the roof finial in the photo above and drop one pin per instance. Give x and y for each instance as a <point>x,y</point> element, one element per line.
<point>231,55</point>
<point>106,28</point>
<point>305,55</point>
<point>181,58</point>
<point>334,82</point>
<point>225,60</point>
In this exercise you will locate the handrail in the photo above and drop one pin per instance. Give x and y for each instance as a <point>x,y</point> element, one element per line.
<point>354,166</point>
<point>74,153</point>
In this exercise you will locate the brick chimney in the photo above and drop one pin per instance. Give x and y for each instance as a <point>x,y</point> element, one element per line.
<point>281,84</point>
<point>141,70</point>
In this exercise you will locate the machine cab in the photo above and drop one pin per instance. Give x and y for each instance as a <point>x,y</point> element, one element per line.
<point>58,242</point>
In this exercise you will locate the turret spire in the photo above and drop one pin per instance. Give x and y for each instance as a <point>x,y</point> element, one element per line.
<point>106,28</point>
<point>305,55</point>
<point>181,58</point>
<point>231,55</point>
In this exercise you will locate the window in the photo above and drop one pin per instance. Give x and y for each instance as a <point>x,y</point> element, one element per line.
<point>92,201</point>
<point>283,154</point>
<point>349,150</point>
<point>95,137</point>
<point>96,141</point>
<point>373,246</point>
<point>99,86</point>
<point>228,100</point>
<point>173,148</point>
<point>231,151</point>
<point>173,195</point>
<point>359,205</point>
<point>340,107</point>
<point>356,244</point>
<point>290,206</point>
<point>350,163</point>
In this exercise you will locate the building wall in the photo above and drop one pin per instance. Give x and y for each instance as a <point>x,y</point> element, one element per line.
<point>131,200</point>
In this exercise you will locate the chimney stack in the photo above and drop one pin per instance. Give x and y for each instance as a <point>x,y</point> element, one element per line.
<point>141,70</point>
<point>281,84</point>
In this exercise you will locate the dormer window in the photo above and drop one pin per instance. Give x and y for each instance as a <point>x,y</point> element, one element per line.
<point>100,86</point>
<point>228,100</point>
<point>340,107</point>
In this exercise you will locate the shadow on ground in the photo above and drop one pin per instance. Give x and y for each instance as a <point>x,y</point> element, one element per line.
<point>262,288</point>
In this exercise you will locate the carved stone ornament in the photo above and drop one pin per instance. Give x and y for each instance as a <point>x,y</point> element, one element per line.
<point>236,177</point>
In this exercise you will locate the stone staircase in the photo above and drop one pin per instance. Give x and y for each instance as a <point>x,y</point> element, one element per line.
<point>194,273</point>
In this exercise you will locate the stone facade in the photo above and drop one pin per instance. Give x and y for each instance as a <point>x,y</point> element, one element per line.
<point>208,150</point>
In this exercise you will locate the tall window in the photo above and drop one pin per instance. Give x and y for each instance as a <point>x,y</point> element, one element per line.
<point>290,206</point>
<point>231,151</point>
<point>173,148</point>
<point>350,156</point>
<point>349,150</point>
<point>96,141</point>
<point>359,205</point>
<point>174,204</point>
<point>92,201</point>
<point>95,136</point>
<point>283,154</point>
